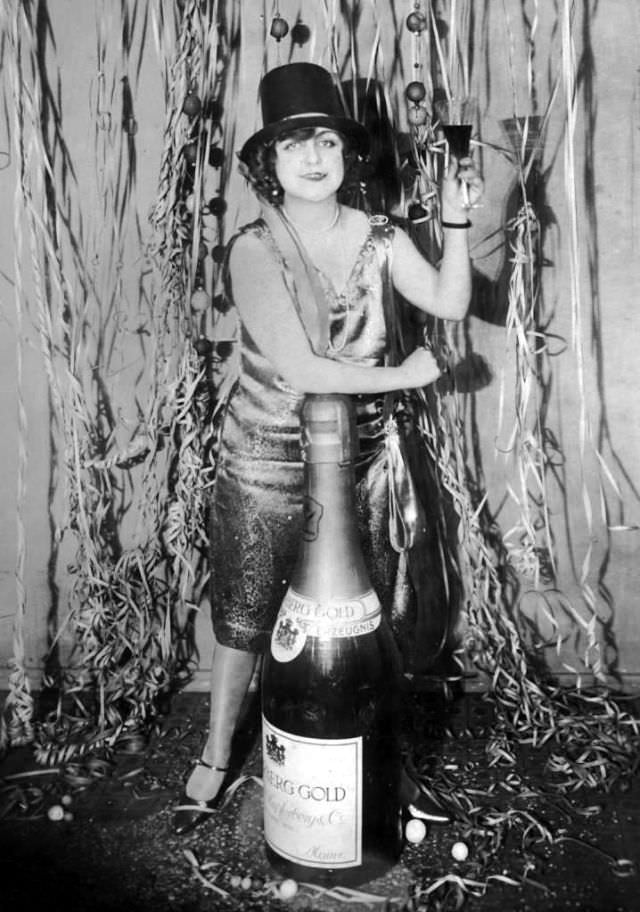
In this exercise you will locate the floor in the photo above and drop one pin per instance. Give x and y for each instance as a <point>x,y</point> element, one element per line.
<point>529,848</point>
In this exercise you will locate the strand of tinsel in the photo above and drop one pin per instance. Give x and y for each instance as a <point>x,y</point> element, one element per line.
<point>16,720</point>
<point>200,55</point>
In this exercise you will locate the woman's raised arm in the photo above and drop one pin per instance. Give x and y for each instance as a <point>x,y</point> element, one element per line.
<point>444,292</point>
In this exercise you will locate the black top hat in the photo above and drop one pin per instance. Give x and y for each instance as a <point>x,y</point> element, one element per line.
<point>299,95</point>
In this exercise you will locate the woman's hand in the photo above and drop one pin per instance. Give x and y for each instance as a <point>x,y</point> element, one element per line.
<point>462,189</point>
<point>420,368</point>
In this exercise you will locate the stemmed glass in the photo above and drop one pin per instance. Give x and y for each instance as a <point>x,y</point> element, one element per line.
<point>455,116</point>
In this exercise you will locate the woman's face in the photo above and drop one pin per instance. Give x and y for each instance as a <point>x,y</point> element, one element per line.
<point>310,167</point>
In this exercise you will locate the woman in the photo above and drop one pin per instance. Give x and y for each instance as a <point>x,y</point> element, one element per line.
<point>306,280</point>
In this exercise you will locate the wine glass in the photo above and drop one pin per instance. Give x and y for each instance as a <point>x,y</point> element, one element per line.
<point>455,117</point>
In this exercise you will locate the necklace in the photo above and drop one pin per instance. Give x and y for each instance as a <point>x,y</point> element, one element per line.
<point>305,230</point>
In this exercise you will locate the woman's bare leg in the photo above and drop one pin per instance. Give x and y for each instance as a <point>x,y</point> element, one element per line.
<point>231,674</point>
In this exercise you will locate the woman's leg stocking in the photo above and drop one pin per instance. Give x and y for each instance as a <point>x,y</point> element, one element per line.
<point>231,673</point>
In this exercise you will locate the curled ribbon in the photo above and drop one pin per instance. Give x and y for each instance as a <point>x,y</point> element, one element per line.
<point>405,510</point>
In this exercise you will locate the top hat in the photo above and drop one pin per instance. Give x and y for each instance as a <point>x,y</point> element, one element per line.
<point>299,95</point>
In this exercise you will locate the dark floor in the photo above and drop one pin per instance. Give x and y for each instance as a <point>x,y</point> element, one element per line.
<point>529,847</point>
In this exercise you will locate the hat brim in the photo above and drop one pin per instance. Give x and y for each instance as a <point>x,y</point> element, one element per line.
<point>349,128</point>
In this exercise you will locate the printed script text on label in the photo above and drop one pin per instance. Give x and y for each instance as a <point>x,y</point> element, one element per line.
<point>313,798</point>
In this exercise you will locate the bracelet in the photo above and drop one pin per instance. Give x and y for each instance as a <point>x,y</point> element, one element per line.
<point>466,224</point>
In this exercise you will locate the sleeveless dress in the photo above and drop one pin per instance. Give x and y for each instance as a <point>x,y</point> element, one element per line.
<point>256,506</point>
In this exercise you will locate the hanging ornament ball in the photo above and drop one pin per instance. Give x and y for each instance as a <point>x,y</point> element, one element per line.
<point>55,812</point>
<point>218,253</point>
<point>416,21</point>
<point>202,250</point>
<point>417,116</point>
<point>415,831</point>
<point>192,105</point>
<point>190,203</point>
<point>417,213</point>
<point>203,346</point>
<point>460,851</point>
<point>300,33</point>
<point>216,157</point>
<point>217,206</point>
<point>190,152</point>
<point>279,28</point>
<point>224,349</point>
<point>200,301</point>
<point>415,91</point>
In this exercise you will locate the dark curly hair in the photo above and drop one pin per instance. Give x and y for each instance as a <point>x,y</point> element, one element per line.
<point>260,168</point>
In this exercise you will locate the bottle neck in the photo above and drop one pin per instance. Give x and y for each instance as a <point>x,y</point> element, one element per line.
<point>330,562</point>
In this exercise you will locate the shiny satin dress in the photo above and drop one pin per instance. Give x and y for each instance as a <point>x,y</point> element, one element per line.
<point>256,508</point>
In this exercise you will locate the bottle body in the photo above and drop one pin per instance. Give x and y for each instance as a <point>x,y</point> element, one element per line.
<point>331,762</point>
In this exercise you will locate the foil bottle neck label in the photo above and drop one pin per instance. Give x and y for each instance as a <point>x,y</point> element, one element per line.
<point>301,617</point>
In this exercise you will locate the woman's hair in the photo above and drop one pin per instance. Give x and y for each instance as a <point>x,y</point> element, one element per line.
<point>260,169</point>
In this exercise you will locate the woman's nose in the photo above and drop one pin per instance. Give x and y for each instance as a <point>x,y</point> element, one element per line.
<point>312,153</point>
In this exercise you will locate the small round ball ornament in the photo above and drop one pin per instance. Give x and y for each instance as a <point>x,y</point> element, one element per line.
<point>203,346</point>
<point>216,157</point>
<point>218,253</point>
<point>217,206</point>
<point>415,831</point>
<point>300,34</point>
<point>279,28</point>
<point>200,301</point>
<point>415,91</point>
<point>190,152</point>
<point>191,106</point>
<point>460,851</point>
<point>416,21</point>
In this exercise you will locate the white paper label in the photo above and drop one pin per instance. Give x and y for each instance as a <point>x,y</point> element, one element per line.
<point>312,798</point>
<point>301,617</point>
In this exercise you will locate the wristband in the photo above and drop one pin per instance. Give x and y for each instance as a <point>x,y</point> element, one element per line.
<point>466,224</point>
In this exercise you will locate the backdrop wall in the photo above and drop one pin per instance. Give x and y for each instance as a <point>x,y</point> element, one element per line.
<point>591,412</point>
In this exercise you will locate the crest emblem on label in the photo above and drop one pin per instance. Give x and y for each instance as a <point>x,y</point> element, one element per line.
<point>287,639</point>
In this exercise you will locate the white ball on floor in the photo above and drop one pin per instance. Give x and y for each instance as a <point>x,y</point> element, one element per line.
<point>288,889</point>
<point>415,831</point>
<point>460,851</point>
<point>55,812</point>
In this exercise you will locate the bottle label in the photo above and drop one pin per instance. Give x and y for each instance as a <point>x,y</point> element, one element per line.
<point>301,617</point>
<point>312,798</point>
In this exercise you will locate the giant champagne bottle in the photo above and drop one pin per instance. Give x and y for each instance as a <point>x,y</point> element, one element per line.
<point>330,686</point>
